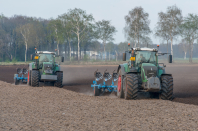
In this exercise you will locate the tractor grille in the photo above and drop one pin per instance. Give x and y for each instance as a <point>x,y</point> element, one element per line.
<point>48,68</point>
<point>150,71</point>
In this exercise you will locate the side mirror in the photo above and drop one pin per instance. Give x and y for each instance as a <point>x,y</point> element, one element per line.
<point>124,57</point>
<point>62,59</point>
<point>170,59</point>
<point>31,57</point>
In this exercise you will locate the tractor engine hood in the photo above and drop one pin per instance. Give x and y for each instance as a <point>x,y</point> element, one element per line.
<point>47,68</point>
<point>150,70</point>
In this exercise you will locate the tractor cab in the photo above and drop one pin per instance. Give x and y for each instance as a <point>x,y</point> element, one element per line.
<point>45,58</point>
<point>146,57</point>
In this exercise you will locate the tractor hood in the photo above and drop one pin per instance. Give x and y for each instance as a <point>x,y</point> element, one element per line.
<point>150,70</point>
<point>47,68</point>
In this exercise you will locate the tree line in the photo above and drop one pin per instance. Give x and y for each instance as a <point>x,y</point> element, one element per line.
<point>171,26</point>
<point>77,31</point>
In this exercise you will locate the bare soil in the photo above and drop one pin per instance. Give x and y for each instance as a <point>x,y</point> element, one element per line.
<point>74,108</point>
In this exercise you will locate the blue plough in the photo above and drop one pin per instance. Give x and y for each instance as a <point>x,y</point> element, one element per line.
<point>18,77</point>
<point>98,88</point>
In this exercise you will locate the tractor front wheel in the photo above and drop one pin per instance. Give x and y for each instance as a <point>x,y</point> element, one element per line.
<point>120,92</point>
<point>35,78</point>
<point>167,87</point>
<point>130,86</point>
<point>59,81</point>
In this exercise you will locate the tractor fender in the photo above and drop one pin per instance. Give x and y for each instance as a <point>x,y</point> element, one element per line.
<point>166,74</point>
<point>59,71</point>
<point>122,69</point>
<point>30,66</point>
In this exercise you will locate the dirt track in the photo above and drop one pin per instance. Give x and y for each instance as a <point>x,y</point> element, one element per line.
<point>50,108</point>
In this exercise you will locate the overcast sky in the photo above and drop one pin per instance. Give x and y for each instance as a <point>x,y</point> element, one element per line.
<point>114,10</point>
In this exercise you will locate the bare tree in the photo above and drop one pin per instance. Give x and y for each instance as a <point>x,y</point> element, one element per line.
<point>146,41</point>
<point>161,30</point>
<point>189,31</point>
<point>65,20</point>
<point>137,25</point>
<point>57,31</point>
<point>110,48</point>
<point>105,32</point>
<point>169,23</point>
<point>25,32</point>
<point>184,46</point>
<point>79,21</point>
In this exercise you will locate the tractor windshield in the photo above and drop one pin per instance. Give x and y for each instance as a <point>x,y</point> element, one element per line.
<point>46,58</point>
<point>145,57</point>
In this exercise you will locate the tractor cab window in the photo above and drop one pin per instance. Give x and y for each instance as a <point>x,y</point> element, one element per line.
<point>145,57</point>
<point>46,58</point>
<point>128,55</point>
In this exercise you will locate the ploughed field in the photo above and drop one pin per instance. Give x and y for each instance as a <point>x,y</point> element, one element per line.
<point>74,107</point>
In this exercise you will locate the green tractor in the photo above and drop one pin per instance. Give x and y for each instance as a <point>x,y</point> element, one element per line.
<point>45,69</point>
<point>143,73</point>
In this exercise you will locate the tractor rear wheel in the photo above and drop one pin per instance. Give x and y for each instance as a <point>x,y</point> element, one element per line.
<point>59,81</point>
<point>167,87</point>
<point>120,92</point>
<point>96,91</point>
<point>130,86</point>
<point>35,78</point>
<point>29,78</point>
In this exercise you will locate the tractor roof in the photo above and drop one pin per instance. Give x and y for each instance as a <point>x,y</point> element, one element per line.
<point>45,52</point>
<point>145,49</point>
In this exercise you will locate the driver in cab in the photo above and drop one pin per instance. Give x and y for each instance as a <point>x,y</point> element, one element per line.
<point>142,58</point>
<point>46,59</point>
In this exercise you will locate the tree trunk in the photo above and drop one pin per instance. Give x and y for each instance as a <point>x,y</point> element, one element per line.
<point>78,47</point>
<point>104,49</point>
<point>167,50</point>
<point>65,51</point>
<point>95,56</point>
<point>25,51</point>
<point>69,51</point>
<point>191,52</point>
<point>116,55</point>
<point>172,47</point>
<point>184,54</point>
<point>109,55</point>
<point>58,47</point>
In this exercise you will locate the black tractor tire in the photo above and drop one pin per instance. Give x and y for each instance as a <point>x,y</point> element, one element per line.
<point>59,82</point>
<point>97,91</point>
<point>166,87</point>
<point>120,92</point>
<point>131,86</point>
<point>16,82</point>
<point>35,78</point>
<point>29,75</point>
